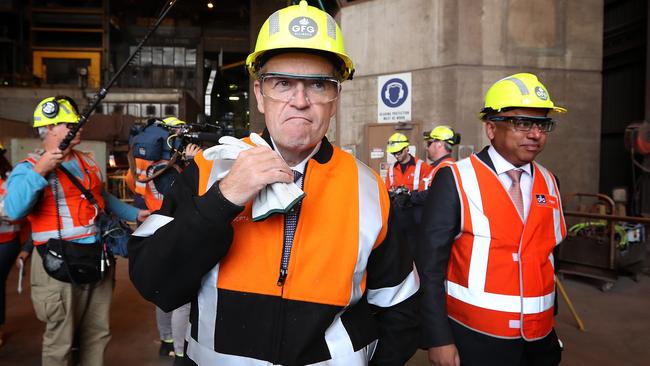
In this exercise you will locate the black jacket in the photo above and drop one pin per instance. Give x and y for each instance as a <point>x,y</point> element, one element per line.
<point>168,266</point>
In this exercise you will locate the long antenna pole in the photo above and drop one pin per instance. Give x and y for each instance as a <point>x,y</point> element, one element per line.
<point>101,94</point>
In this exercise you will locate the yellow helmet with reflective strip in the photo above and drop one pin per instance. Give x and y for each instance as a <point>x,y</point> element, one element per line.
<point>300,26</point>
<point>443,133</point>
<point>173,121</point>
<point>55,110</point>
<point>397,142</point>
<point>521,90</point>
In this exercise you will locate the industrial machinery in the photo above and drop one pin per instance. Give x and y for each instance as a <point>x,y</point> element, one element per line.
<point>600,243</point>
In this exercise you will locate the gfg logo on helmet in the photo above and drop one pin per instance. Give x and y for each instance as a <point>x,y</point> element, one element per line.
<point>303,27</point>
<point>541,93</point>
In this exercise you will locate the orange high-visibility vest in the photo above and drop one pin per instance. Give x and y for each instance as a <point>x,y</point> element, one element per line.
<point>412,178</point>
<point>441,164</point>
<point>500,277</point>
<point>8,229</point>
<point>76,215</point>
<point>325,238</point>
<point>144,169</point>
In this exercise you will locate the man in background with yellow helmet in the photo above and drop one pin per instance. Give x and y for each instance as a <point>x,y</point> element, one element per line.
<point>39,190</point>
<point>322,283</point>
<point>407,171</point>
<point>490,224</point>
<point>440,141</point>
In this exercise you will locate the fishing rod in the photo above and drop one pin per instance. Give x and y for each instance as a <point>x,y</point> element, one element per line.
<point>101,94</point>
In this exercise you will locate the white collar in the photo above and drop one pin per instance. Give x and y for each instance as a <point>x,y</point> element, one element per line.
<point>501,165</point>
<point>300,167</point>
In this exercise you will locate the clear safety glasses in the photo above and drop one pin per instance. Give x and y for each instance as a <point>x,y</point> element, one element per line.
<point>318,89</point>
<point>526,123</point>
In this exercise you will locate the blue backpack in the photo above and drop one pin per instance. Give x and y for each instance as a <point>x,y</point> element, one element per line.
<point>150,143</point>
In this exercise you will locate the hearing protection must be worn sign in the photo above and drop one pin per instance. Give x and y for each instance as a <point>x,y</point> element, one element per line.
<point>394,97</point>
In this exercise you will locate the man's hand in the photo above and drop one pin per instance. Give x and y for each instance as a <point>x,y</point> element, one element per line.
<point>49,160</point>
<point>446,355</point>
<point>191,150</point>
<point>143,214</point>
<point>22,257</point>
<point>253,170</point>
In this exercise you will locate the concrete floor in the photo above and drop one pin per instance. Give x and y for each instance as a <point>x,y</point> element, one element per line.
<point>617,322</point>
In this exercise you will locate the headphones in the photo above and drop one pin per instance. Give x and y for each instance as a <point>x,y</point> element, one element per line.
<point>50,108</point>
<point>392,85</point>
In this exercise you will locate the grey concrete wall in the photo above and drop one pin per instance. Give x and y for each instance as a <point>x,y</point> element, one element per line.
<point>455,49</point>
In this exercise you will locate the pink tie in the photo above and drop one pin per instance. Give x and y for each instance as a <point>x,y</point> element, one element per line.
<point>515,191</point>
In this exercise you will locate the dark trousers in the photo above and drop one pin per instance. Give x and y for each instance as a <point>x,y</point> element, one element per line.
<point>8,253</point>
<point>477,349</point>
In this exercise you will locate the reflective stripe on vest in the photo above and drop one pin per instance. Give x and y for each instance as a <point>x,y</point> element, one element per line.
<point>416,174</point>
<point>8,231</point>
<point>76,214</point>
<point>497,257</point>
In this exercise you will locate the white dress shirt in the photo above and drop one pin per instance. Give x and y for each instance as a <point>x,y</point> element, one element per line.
<point>501,166</point>
<point>300,167</point>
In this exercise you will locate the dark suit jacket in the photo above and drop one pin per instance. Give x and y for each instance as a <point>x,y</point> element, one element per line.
<point>440,225</point>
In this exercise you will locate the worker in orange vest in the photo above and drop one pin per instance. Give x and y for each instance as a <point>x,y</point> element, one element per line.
<point>440,141</point>
<point>490,225</point>
<point>42,189</point>
<point>282,240</point>
<point>408,171</point>
<point>405,177</point>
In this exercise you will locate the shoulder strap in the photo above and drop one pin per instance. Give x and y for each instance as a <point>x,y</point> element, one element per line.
<point>89,196</point>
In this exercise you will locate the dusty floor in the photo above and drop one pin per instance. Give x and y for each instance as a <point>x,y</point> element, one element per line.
<point>617,322</point>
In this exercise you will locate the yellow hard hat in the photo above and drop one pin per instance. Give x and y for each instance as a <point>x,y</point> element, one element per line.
<point>397,142</point>
<point>518,90</point>
<point>173,121</point>
<point>443,133</point>
<point>300,26</point>
<point>2,147</point>
<point>55,110</point>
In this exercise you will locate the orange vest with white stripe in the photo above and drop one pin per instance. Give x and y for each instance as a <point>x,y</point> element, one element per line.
<point>500,278</point>
<point>76,215</point>
<point>441,164</point>
<point>412,178</point>
<point>8,229</point>
<point>144,169</point>
<point>339,226</point>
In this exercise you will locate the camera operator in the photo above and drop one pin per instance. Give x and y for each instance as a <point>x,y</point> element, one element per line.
<point>152,179</point>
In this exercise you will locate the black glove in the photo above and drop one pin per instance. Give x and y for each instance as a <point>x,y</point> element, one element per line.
<point>402,199</point>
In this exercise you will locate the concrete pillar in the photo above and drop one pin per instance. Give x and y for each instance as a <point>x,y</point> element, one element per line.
<point>455,49</point>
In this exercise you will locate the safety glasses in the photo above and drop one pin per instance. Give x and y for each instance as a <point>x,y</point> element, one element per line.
<point>526,123</point>
<point>282,87</point>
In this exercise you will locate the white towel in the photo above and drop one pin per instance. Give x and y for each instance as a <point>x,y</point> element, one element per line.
<point>276,197</point>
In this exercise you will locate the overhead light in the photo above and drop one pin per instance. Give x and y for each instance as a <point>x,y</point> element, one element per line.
<point>233,98</point>
<point>210,5</point>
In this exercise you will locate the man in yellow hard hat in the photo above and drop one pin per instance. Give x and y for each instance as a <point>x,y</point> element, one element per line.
<point>440,141</point>
<point>490,224</point>
<point>322,283</point>
<point>72,278</point>
<point>407,171</point>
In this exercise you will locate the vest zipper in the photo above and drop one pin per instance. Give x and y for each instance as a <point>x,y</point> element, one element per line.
<point>286,256</point>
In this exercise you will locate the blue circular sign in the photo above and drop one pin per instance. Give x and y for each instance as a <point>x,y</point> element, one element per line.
<point>394,92</point>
